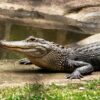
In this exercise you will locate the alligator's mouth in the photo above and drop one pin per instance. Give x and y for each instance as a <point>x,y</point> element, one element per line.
<point>21,46</point>
<point>28,48</point>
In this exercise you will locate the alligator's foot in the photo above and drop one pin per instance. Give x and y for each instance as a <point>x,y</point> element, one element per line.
<point>25,61</point>
<point>74,75</point>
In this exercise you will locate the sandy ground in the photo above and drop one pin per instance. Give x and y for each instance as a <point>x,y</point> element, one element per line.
<point>14,74</point>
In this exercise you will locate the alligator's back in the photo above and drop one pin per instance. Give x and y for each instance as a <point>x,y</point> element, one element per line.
<point>88,53</point>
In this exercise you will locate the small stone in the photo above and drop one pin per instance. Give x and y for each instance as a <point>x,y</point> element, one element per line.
<point>81,88</point>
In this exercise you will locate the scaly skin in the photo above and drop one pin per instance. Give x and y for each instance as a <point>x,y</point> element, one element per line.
<point>78,60</point>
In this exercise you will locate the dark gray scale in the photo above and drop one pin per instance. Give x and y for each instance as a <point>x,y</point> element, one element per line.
<point>89,50</point>
<point>96,62</point>
<point>89,53</point>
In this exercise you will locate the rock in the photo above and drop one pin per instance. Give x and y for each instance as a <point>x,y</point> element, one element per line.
<point>90,39</point>
<point>81,88</point>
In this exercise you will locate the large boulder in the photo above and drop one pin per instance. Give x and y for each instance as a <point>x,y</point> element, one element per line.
<point>90,39</point>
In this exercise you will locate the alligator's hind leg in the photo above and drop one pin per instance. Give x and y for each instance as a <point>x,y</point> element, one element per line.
<point>25,61</point>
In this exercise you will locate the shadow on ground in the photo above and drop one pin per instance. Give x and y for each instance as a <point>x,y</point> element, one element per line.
<point>12,73</point>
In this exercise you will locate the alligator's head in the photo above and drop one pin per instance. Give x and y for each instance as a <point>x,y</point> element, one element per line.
<point>31,46</point>
<point>39,51</point>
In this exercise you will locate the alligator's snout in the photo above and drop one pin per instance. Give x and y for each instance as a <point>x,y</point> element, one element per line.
<point>27,47</point>
<point>10,44</point>
<point>3,43</point>
<point>15,45</point>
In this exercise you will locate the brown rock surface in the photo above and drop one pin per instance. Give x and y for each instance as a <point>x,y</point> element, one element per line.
<point>79,16</point>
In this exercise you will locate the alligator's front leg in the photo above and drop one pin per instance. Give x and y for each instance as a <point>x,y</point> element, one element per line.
<point>25,61</point>
<point>82,68</point>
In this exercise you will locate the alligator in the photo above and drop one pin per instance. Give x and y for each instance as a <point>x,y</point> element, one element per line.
<point>78,60</point>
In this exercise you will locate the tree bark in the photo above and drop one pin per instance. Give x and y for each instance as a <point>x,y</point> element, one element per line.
<point>78,16</point>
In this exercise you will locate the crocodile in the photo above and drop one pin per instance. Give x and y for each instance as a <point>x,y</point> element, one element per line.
<point>78,60</point>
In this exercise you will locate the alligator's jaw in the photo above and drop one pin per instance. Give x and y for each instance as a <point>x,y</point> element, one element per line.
<point>15,45</point>
<point>28,48</point>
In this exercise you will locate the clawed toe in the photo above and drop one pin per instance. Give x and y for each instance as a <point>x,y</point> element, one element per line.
<point>74,75</point>
<point>25,62</point>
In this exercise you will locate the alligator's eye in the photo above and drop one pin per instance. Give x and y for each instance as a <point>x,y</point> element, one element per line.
<point>57,45</point>
<point>30,39</point>
<point>62,47</point>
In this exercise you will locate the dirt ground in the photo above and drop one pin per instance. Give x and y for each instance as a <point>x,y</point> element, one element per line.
<point>14,74</point>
